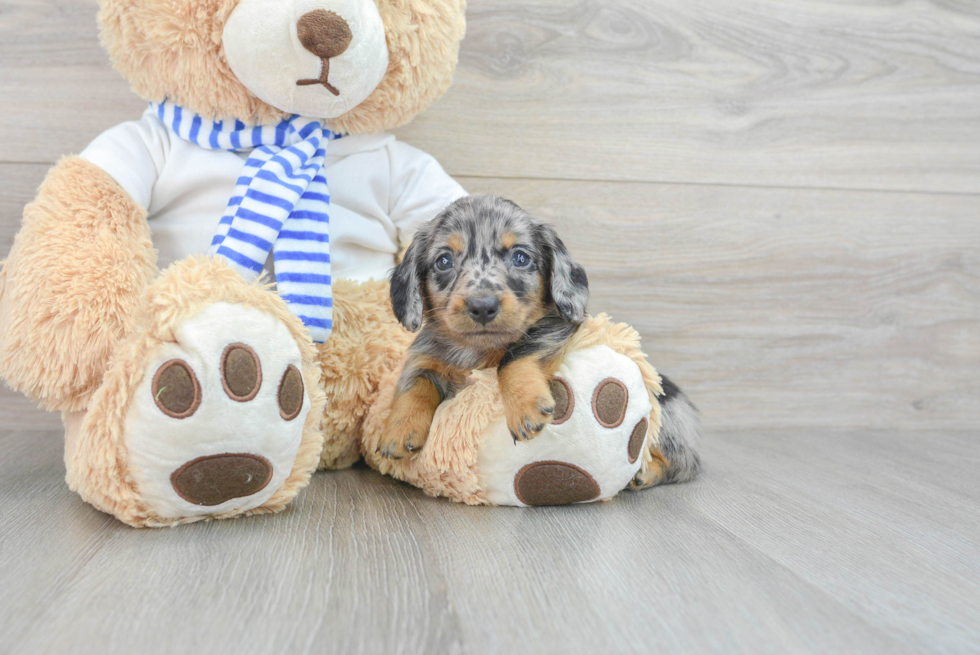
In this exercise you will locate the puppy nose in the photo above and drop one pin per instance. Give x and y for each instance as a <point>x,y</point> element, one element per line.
<point>324,33</point>
<point>483,309</point>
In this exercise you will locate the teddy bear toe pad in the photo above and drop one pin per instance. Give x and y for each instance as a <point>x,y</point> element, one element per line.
<point>592,448</point>
<point>218,420</point>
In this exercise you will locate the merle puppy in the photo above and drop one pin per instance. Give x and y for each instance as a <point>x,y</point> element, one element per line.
<point>489,286</point>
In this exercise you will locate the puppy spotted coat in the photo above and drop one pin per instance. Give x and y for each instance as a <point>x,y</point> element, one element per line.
<point>489,286</point>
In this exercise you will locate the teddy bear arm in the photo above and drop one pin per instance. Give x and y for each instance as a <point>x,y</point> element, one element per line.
<point>75,274</point>
<point>366,346</point>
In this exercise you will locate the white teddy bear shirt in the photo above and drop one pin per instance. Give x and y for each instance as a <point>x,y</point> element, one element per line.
<point>381,191</point>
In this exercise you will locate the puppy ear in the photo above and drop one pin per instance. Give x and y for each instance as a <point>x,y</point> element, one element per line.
<point>406,284</point>
<point>568,282</point>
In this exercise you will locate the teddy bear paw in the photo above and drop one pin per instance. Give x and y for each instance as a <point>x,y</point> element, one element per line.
<point>592,448</point>
<point>217,421</point>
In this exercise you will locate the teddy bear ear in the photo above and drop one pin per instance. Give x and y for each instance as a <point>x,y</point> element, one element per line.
<point>423,38</point>
<point>169,51</point>
<point>406,284</point>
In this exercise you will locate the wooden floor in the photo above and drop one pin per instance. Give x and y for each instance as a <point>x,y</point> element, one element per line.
<point>783,196</point>
<point>791,542</point>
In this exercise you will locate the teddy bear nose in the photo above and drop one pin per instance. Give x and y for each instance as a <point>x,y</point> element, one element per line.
<point>324,33</point>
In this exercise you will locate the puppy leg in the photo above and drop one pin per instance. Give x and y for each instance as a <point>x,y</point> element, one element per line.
<point>410,419</point>
<point>528,403</point>
<point>675,457</point>
<point>524,373</point>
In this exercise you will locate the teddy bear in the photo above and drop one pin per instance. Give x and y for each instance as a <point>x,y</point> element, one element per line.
<point>202,293</point>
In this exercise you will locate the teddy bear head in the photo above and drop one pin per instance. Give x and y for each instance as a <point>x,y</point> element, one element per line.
<point>359,65</point>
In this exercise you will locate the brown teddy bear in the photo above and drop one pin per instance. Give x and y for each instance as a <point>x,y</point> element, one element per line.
<point>137,298</point>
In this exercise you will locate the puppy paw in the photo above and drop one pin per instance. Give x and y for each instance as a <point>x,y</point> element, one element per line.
<point>405,435</point>
<point>528,412</point>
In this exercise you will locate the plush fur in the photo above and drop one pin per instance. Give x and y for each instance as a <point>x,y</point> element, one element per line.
<point>367,344</point>
<point>423,49</point>
<point>79,324</point>
<point>69,306</point>
<point>172,49</point>
<point>90,316</point>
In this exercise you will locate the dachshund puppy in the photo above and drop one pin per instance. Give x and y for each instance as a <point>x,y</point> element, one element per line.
<point>489,286</point>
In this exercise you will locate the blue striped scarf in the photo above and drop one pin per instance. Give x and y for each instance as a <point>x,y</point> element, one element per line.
<point>280,205</point>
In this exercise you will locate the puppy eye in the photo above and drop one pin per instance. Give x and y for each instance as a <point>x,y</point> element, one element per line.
<point>521,259</point>
<point>445,262</point>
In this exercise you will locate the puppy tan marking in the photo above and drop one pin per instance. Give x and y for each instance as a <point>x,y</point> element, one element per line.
<point>652,474</point>
<point>456,243</point>
<point>411,416</point>
<point>526,393</point>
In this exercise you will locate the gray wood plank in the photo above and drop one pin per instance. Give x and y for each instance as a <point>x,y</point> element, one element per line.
<point>792,541</point>
<point>789,314</point>
<point>18,186</point>
<point>17,412</point>
<point>782,308</point>
<point>866,518</point>
<point>644,572</point>
<point>774,307</point>
<point>358,580</point>
<point>878,94</point>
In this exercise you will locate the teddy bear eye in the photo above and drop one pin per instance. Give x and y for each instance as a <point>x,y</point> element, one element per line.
<point>444,262</point>
<point>521,259</point>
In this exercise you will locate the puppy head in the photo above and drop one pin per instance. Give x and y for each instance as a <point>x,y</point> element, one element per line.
<point>484,270</point>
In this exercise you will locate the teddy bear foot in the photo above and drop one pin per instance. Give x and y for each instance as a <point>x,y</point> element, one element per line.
<point>616,424</point>
<point>590,451</point>
<point>210,409</point>
<point>218,419</point>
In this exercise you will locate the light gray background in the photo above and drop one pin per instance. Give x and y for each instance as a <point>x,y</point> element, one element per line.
<point>783,196</point>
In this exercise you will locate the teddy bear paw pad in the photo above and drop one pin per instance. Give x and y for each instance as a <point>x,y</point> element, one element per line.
<point>217,422</point>
<point>590,451</point>
<point>554,483</point>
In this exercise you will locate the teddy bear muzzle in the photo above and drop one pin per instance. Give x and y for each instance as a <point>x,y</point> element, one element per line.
<point>326,35</point>
<point>313,58</point>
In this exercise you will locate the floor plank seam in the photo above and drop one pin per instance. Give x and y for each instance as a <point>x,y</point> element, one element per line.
<point>687,183</point>
<point>728,185</point>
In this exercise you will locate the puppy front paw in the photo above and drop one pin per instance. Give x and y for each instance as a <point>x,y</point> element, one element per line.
<point>407,432</point>
<point>528,410</point>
